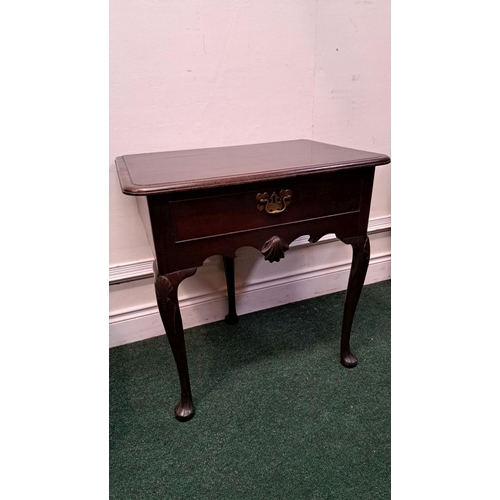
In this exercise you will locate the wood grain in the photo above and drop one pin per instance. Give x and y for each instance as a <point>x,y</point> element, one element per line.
<point>173,171</point>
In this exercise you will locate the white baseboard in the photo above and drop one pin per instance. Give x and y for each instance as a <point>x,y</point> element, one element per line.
<point>141,324</point>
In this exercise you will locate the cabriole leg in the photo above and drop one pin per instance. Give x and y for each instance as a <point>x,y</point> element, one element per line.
<point>168,305</point>
<point>359,266</point>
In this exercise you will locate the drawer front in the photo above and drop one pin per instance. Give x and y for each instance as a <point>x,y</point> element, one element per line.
<point>268,205</point>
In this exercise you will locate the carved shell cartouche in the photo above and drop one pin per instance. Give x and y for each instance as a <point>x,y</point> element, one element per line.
<point>274,249</point>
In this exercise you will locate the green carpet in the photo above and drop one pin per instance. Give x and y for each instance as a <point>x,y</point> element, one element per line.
<point>277,416</point>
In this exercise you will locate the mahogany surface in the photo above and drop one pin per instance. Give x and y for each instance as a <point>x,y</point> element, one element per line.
<point>171,171</point>
<point>213,201</point>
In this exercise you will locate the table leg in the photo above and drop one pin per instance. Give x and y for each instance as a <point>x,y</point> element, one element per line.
<point>232,317</point>
<point>168,305</point>
<point>359,266</point>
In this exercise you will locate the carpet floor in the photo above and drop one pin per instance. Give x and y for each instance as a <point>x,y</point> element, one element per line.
<point>277,416</point>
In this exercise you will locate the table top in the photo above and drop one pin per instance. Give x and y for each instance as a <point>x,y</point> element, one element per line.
<point>174,171</point>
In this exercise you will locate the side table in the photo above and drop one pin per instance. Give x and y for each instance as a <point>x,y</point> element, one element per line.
<point>203,202</point>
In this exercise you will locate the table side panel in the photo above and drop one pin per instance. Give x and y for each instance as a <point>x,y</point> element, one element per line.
<point>163,233</point>
<point>368,176</point>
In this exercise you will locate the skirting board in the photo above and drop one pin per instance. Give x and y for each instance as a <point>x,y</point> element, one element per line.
<point>146,323</point>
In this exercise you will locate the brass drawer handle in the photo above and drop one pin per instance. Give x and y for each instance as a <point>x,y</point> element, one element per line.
<point>274,204</point>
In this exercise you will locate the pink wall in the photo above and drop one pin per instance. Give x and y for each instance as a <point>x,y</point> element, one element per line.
<point>202,73</point>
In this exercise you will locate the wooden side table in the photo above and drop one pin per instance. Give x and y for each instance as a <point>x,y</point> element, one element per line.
<point>206,202</point>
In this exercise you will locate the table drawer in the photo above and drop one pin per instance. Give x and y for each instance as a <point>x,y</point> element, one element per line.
<point>267,205</point>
